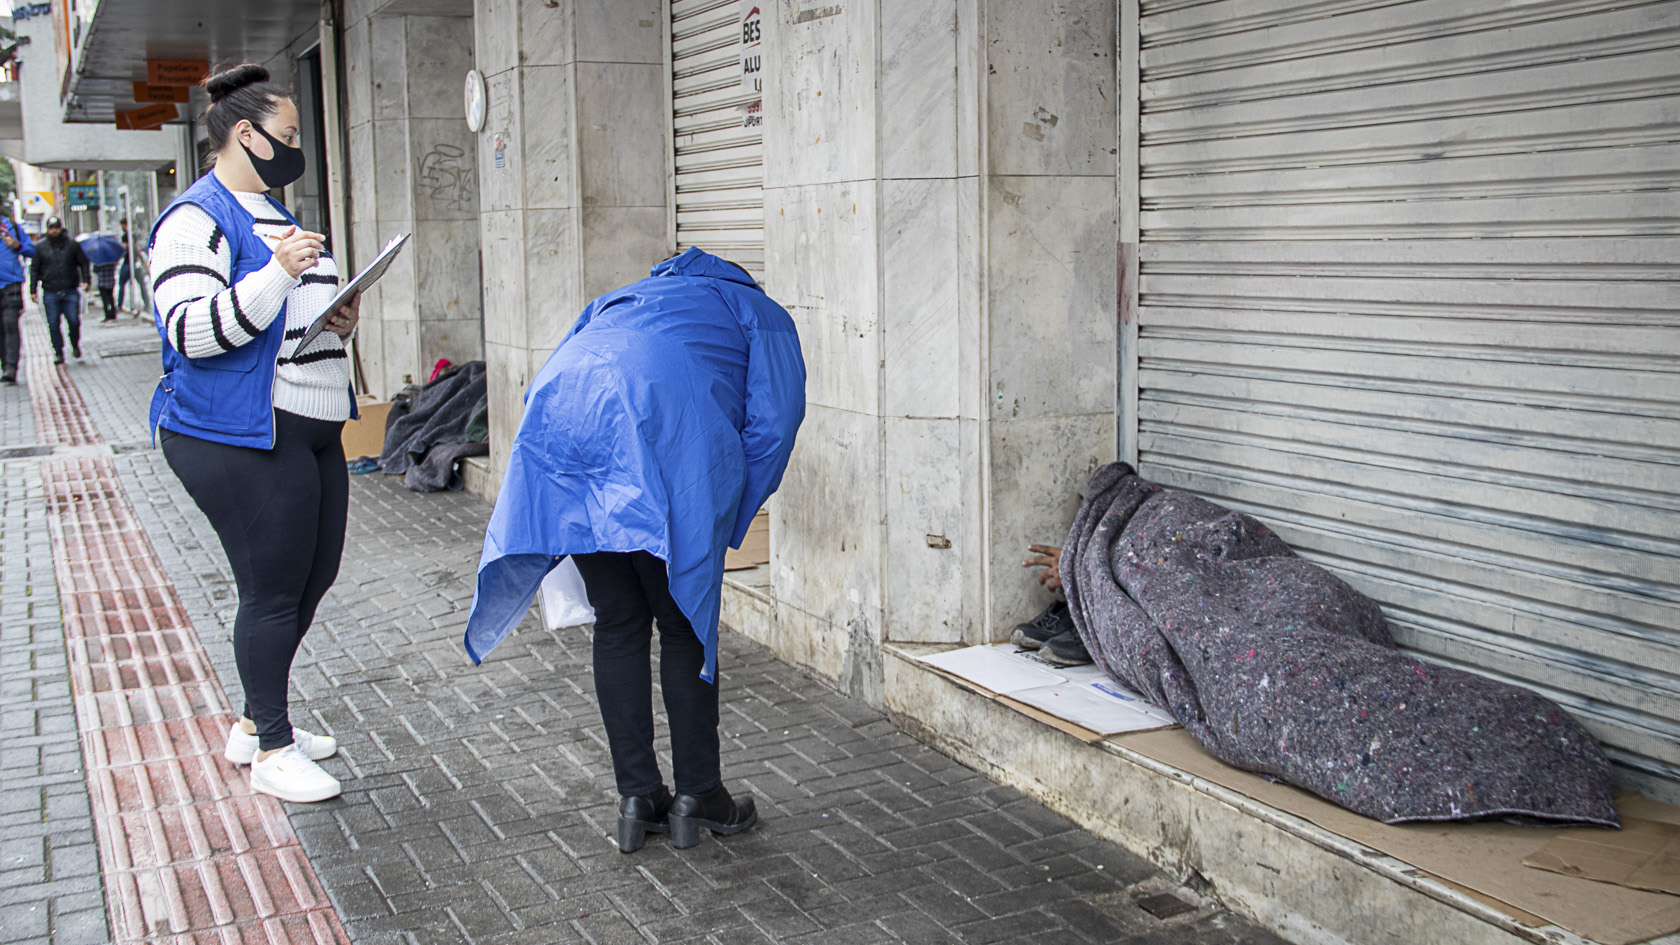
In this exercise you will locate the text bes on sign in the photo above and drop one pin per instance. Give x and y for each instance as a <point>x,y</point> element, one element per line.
<point>752,76</point>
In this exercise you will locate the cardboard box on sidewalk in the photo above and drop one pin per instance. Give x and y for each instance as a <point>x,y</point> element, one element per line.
<point>366,436</point>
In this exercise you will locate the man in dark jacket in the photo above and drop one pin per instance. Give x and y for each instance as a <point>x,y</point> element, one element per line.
<point>62,267</point>
<point>18,246</point>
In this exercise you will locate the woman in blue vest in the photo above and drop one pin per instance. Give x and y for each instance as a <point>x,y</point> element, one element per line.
<point>249,423</point>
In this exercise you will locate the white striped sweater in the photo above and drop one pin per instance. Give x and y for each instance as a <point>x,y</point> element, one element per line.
<point>204,315</point>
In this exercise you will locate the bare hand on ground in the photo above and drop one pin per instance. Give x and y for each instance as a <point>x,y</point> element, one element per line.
<point>298,251</point>
<point>344,320</point>
<point>1048,557</point>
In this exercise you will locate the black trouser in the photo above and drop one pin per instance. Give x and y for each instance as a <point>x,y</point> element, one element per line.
<point>280,514</point>
<point>11,340</point>
<point>629,592</point>
<point>109,301</point>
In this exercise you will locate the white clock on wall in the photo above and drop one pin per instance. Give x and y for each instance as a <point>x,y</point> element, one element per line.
<point>475,100</point>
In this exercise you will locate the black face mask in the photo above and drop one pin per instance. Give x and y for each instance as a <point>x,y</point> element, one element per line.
<point>284,167</point>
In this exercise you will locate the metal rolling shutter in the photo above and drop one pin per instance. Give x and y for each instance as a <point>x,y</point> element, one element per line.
<point>719,158</point>
<point>1410,292</point>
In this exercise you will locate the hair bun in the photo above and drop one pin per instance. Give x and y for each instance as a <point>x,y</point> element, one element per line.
<point>229,79</point>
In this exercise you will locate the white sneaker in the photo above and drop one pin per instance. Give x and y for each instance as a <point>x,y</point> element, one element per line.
<point>241,748</point>
<point>289,775</point>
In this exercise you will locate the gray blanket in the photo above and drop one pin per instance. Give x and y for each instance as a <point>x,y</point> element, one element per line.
<point>437,414</point>
<point>1277,666</point>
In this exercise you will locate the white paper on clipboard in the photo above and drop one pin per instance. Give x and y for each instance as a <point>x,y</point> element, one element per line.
<point>367,277</point>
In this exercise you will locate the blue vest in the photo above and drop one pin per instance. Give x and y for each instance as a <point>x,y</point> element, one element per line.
<point>228,397</point>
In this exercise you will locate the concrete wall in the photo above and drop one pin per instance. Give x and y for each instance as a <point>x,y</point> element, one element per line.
<point>577,205</point>
<point>412,168</point>
<point>941,220</point>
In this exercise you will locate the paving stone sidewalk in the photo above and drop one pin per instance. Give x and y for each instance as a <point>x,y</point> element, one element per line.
<point>478,800</point>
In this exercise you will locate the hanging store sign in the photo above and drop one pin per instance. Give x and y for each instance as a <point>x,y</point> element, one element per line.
<point>147,92</point>
<point>176,71</point>
<point>752,59</point>
<point>37,201</point>
<point>147,118</point>
<point>82,192</point>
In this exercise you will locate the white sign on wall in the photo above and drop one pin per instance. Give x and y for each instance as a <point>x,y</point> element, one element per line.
<point>752,63</point>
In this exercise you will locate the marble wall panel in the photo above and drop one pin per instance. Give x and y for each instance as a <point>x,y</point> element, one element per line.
<point>502,236</point>
<point>621,134</point>
<point>360,9</point>
<point>440,51</point>
<point>446,259</point>
<point>918,89</point>
<point>616,31</point>
<point>971,293</point>
<point>1051,311</point>
<point>369,349</point>
<point>1039,468</point>
<point>919,318</point>
<point>445,171</point>
<point>358,79</point>
<point>501,188</point>
<point>821,254</point>
<point>552,297</point>
<point>495,35</point>
<point>454,338</point>
<point>926,537</point>
<point>399,292</point>
<point>393,185</point>
<point>401,347</point>
<point>820,87</point>
<point>1051,86</point>
<point>507,373</point>
<point>971,80</point>
<point>363,207</point>
<point>828,520</point>
<point>619,246</point>
<point>547,106</point>
<point>388,66</point>
<point>545,32</point>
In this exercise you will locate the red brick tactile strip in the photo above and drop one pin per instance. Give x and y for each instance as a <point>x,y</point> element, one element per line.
<point>190,854</point>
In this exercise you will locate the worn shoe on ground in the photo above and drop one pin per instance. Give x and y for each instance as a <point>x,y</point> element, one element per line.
<point>1055,620</point>
<point>58,357</point>
<point>642,815</point>
<point>1065,649</point>
<point>290,775</point>
<point>76,349</point>
<point>8,378</point>
<point>242,748</point>
<point>714,810</point>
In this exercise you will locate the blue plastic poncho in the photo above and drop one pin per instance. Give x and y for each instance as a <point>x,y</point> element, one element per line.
<point>661,423</point>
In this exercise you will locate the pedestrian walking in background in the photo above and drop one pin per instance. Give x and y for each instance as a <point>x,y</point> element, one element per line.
<point>105,278</point>
<point>61,271</point>
<point>125,271</point>
<point>650,439</point>
<point>18,246</point>
<point>249,423</point>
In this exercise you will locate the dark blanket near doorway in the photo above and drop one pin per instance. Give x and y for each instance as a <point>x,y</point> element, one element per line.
<point>1277,666</point>
<point>435,415</point>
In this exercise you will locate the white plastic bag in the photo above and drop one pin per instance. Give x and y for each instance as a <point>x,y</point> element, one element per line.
<point>563,600</point>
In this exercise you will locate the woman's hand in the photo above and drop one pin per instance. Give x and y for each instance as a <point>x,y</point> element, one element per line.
<point>344,320</point>
<point>1048,557</point>
<point>298,250</point>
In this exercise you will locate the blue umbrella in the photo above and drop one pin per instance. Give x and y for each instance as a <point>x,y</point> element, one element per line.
<point>102,249</point>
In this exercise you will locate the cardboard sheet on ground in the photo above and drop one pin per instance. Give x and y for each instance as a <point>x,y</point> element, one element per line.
<point>1083,696</point>
<point>1485,858</point>
<point>1644,854</point>
<point>755,547</point>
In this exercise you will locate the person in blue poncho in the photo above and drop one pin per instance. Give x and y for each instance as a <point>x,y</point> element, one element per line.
<point>650,439</point>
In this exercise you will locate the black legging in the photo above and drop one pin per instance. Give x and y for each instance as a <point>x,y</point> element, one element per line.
<point>280,514</point>
<point>629,592</point>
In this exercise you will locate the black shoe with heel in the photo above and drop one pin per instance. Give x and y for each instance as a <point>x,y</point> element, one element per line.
<point>714,810</point>
<point>640,816</point>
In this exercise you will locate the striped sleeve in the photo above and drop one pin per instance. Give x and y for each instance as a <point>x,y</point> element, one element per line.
<point>203,313</point>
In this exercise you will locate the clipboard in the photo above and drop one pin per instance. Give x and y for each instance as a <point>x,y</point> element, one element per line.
<point>367,277</point>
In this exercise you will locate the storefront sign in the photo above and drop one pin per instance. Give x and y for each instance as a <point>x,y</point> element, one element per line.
<point>37,201</point>
<point>147,92</point>
<point>147,118</point>
<point>752,60</point>
<point>82,192</point>
<point>176,71</point>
